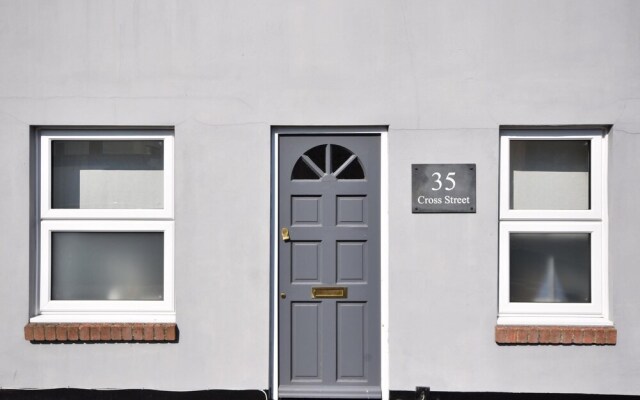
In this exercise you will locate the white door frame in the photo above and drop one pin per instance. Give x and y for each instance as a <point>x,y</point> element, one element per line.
<point>276,131</point>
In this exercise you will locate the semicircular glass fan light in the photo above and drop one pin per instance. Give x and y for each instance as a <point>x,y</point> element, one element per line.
<point>328,162</point>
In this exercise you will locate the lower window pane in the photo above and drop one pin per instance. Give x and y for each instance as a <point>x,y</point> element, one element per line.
<point>550,267</point>
<point>107,265</point>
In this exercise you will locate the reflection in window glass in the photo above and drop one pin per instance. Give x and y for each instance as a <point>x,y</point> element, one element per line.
<point>550,267</point>
<point>107,266</point>
<point>107,174</point>
<point>549,174</point>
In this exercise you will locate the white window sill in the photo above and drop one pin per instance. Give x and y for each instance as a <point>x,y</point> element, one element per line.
<point>559,320</point>
<point>104,318</point>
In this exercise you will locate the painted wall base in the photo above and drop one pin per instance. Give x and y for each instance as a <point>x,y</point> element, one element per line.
<point>411,395</point>
<point>145,394</point>
<point>131,394</point>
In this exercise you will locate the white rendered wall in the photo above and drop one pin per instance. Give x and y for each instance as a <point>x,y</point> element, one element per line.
<point>443,75</point>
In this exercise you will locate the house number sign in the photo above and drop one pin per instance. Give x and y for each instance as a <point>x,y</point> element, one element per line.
<point>443,188</point>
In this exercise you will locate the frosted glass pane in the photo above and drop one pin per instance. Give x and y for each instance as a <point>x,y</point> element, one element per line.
<point>100,174</point>
<point>550,174</point>
<point>107,265</point>
<point>550,267</point>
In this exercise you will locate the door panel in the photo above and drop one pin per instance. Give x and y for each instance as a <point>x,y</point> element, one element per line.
<point>351,341</point>
<point>306,210</point>
<point>329,200</point>
<point>351,261</point>
<point>305,337</point>
<point>305,261</point>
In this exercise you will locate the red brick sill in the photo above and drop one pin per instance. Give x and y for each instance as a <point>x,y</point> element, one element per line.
<point>100,332</point>
<point>559,335</point>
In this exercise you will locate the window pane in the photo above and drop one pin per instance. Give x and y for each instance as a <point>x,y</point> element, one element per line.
<point>302,171</point>
<point>340,155</point>
<point>317,155</point>
<point>107,265</point>
<point>550,267</point>
<point>352,171</point>
<point>549,174</point>
<point>99,174</point>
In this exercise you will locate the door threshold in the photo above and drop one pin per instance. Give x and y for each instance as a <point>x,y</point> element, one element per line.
<point>323,392</point>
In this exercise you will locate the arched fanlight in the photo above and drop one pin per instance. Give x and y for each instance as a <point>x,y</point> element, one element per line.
<point>328,162</point>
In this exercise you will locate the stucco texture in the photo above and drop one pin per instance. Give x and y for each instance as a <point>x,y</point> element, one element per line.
<point>443,75</point>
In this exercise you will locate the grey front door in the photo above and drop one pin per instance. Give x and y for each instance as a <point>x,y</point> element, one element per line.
<point>329,266</point>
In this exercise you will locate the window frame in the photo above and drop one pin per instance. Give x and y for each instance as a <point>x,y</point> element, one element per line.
<point>102,220</point>
<point>592,221</point>
<point>46,211</point>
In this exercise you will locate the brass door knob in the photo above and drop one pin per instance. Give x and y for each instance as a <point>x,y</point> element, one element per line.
<point>283,295</point>
<point>285,234</point>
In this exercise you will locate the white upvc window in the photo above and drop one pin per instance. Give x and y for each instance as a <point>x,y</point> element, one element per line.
<point>553,227</point>
<point>106,229</point>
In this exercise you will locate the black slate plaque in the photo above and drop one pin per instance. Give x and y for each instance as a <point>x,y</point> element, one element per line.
<point>443,188</point>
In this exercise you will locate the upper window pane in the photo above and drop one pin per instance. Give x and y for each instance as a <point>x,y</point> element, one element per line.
<point>549,174</point>
<point>107,174</point>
